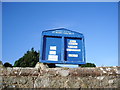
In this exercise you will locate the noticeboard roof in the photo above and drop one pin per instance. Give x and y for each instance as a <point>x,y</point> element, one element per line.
<point>62,32</point>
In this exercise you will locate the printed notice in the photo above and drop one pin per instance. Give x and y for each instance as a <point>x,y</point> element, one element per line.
<point>53,48</point>
<point>53,57</point>
<point>72,46</point>
<point>74,41</point>
<point>52,52</point>
<point>73,50</point>
<point>73,55</point>
<point>71,43</point>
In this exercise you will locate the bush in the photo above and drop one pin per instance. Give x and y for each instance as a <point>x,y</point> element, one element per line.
<point>88,65</point>
<point>7,64</point>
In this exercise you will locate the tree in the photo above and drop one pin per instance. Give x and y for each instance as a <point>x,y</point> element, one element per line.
<point>88,65</point>
<point>1,64</point>
<point>7,64</point>
<point>29,59</point>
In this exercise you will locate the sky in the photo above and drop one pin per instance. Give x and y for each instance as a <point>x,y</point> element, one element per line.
<point>22,24</point>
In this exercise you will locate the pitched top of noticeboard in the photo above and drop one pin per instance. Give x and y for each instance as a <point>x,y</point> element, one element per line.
<point>62,32</point>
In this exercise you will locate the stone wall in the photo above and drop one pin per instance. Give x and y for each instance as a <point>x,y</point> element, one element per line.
<point>43,77</point>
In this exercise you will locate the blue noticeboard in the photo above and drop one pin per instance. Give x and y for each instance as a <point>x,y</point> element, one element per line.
<point>62,46</point>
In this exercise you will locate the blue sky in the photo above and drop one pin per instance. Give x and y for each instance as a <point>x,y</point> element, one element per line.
<point>22,24</point>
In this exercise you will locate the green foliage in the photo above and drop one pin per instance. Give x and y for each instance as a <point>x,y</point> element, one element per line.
<point>1,62</point>
<point>7,64</point>
<point>88,65</point>
<point>29,59</point>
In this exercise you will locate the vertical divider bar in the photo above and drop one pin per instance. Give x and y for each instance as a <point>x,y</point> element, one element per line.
<point>62,50</point>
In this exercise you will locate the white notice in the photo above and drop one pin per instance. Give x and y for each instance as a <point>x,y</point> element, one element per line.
<point>53,57</point>
<point>52,47</point>
<point>71,43</point>
<point>52,52</point>
<point>73,55</point>
<point>73,50</point>
<point>72,46</point>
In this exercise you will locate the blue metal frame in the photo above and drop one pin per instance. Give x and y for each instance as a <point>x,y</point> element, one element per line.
<point>62,32</point>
